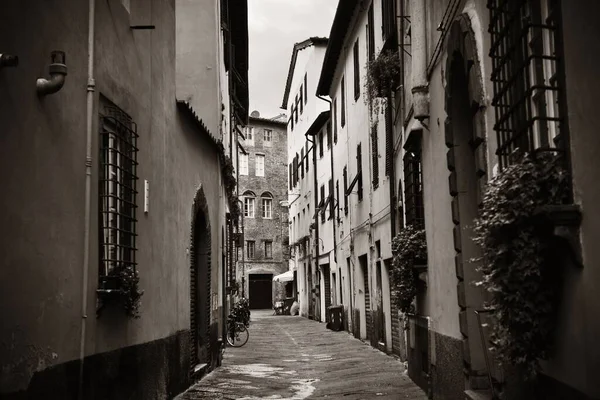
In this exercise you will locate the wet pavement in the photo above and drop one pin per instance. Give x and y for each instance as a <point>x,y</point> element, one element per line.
<point>295,358</point>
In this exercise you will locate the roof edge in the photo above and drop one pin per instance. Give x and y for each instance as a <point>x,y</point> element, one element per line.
<point>313,40</point>
<point>339,30</point>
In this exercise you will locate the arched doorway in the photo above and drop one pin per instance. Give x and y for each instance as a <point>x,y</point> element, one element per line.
<point>200,278</point>
<point>466,160</point>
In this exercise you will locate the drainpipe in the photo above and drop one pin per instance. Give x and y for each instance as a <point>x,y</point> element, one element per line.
<point>420,90</point>
<point>58,73</point>
<point>316,190</point>
<point>333,181</point>
<point>91,87</point>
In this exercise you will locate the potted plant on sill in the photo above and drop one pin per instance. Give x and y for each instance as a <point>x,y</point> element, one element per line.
<point>522,257</point>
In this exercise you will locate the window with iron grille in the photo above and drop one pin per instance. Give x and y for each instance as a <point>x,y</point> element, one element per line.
<point>375,156</point>
<point>413,189</point>
<point>117,190</point>
<point>525,76</point>
<point>356,71</point>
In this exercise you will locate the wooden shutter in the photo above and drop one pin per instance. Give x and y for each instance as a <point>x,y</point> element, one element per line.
<point>359,170</point>
<point>375,156</point>
<point>345,190</point>
<point>389,139</point>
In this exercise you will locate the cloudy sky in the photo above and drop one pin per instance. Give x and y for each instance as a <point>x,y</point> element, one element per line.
<point>273,27</point>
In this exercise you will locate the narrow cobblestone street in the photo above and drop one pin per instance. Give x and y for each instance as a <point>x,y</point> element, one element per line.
<point>296,358</point>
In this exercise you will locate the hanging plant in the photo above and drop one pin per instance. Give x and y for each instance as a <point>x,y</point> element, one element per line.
<point>229,182</point>
<point>519,253</point>
<point>409,248</point>
<point>383,73</point>
<point>121,286</point>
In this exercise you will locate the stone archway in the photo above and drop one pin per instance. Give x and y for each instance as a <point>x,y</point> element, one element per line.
<point>466,160</point>
<point>200,279</point>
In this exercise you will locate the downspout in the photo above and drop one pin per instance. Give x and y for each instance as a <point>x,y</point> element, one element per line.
<point>420,90</point>
<point>332,180</point>
<point>91,88</point>
<point>316,184</point>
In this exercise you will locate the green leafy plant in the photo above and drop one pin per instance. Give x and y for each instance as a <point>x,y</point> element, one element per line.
<point>229,182</point>
<point>519,253</point>
<point>121,286</point>
<point>409,248</point>
<point>383,73</point>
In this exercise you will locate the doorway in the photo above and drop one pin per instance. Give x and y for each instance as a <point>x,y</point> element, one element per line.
<point>260,291</point>
<point>200,283</point>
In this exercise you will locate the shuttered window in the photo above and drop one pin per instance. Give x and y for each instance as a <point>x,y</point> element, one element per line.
<point>375,156</point>
<point>334,110</point>
<point>343,105</point>
<point>359,171</point>
<point>345,173</point>
<point>356,71</point>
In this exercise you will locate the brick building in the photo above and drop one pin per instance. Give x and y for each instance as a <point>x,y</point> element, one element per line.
<point>262,187</point>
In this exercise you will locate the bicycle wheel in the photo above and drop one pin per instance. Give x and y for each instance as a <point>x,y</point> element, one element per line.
<point>240,337</point>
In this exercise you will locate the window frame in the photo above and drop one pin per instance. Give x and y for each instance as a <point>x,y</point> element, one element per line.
<point>259,156</point>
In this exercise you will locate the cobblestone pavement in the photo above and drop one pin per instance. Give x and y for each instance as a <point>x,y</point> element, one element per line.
<point>295,358</point>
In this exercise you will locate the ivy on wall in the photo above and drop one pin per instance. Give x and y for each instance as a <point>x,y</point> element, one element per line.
<point>519,258</point>
<point>409,249</point>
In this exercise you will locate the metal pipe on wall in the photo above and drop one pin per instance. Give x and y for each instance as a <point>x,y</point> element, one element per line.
<point>91,88</point>
<point>420,90</point>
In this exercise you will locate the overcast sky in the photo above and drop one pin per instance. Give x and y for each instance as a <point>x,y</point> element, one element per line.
<point>273,27</point>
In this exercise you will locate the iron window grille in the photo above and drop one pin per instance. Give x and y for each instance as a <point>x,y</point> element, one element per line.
<point>413,189</point>
<point>117,191</point>
<point>525,61</point>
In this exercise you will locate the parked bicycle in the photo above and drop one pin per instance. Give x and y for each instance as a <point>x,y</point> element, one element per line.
<point>237,324</point>
<point>237,333</point>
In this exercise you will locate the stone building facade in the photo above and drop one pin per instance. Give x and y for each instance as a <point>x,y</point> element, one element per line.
<point>110,169</point>
<point>262,188</point>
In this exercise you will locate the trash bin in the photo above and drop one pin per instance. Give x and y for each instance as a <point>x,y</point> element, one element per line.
<point>335,318</point>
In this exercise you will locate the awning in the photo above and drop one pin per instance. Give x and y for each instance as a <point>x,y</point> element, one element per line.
<point>285,277</point>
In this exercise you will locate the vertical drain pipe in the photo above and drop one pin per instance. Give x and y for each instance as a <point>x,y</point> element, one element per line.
<point>91,88</point>
<point>420,90</point>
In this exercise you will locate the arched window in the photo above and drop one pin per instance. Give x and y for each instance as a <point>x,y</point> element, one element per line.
<point>266,205</point>
<point>249,204</point>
